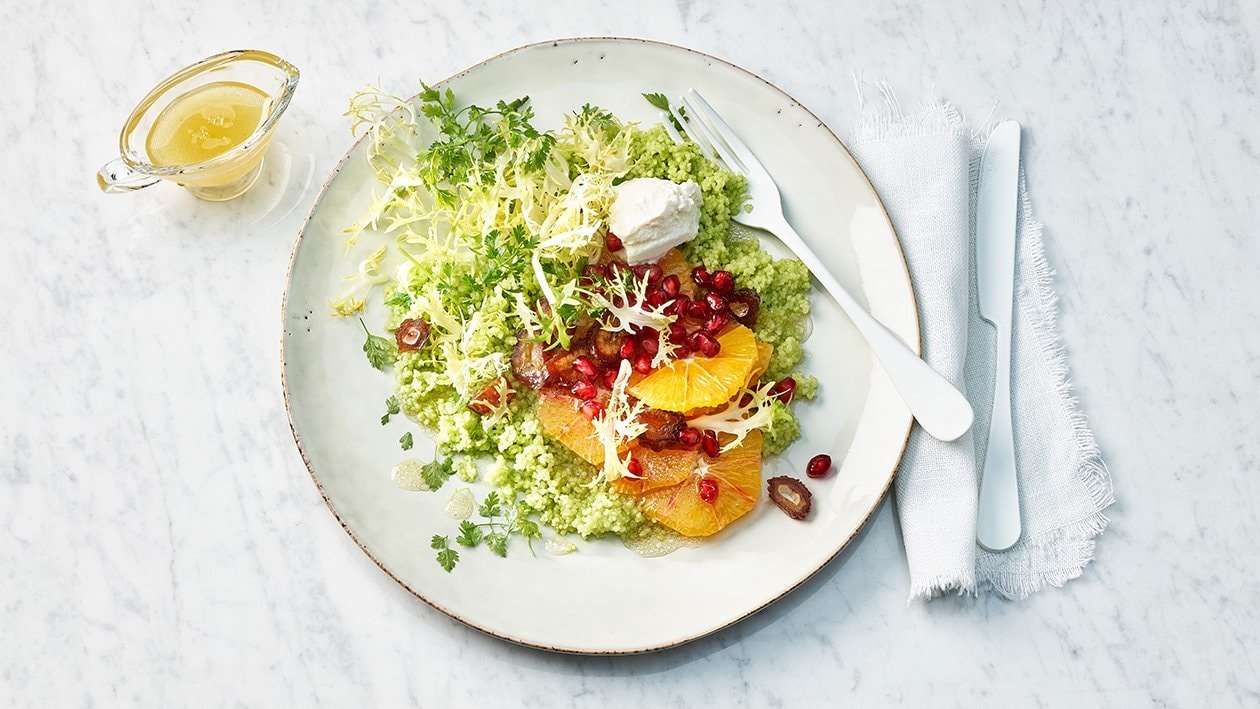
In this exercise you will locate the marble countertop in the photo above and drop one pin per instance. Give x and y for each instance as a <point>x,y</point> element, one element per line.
<point>163,543</point>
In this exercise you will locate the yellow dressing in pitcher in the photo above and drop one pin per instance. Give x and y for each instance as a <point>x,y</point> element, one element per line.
<point>205,122</point>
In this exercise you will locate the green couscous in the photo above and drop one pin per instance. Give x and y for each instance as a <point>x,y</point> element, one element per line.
<point>473,281</point>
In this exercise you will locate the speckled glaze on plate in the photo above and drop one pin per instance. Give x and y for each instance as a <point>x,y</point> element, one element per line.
<point>603,599</point>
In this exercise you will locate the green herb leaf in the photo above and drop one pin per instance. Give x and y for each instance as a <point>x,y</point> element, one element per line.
<point>662,102</point>
<point>379,350</point>
<point>406,441</point>
<point>658,100</point>
<point>497,543</point>
<point>490,506</point>
<point>528,528</point>
<point>391,408</point>
<point>436,473</point>
<point>446,557</point>
<point>469,534</point>
<point>400,298</point>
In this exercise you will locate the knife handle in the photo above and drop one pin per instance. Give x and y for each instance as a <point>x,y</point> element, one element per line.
<point>999,524</point>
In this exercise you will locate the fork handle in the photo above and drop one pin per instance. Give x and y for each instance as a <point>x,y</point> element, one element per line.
<point>936,404</point>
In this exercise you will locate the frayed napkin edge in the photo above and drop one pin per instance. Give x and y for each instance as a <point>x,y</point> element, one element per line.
<point>1091,470</point>
<point>936,116</point>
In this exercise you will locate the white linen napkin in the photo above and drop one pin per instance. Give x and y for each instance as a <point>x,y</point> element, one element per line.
<point>924,166</point>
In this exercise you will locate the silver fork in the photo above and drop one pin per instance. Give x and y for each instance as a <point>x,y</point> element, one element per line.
<point>940,409</point>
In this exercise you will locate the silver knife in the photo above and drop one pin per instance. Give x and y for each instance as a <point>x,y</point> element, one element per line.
<point>998,525</point>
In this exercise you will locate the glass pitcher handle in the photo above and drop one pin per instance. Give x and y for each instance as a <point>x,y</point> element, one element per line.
<point>117,177</point>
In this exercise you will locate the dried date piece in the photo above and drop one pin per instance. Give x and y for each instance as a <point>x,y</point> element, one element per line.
<point>606,346</point>
<point>744,304</point>
<point>790,495</point>
<point>529,362</point>
<point>411,334</point>
<point>663,428</point>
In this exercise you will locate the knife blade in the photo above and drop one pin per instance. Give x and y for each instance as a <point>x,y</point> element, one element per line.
<point>998,524</point>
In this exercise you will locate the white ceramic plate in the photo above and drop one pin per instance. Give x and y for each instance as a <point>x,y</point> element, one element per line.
<point>605,599</point>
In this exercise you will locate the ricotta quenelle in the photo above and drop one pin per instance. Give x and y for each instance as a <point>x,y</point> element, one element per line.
<point>652,216</point>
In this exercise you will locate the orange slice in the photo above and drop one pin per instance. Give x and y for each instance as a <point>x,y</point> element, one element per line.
<point>662,468</point>
<point>560,418</point>
<point>696,382</point>
<point>764,351</point>
<point>737,475</point>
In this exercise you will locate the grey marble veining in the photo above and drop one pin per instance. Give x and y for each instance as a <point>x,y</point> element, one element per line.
<point>163,544</point>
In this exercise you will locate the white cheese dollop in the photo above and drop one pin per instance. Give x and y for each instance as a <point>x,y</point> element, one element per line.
<point>652,216</point>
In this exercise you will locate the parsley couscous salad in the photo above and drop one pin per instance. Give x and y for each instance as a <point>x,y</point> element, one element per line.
<point>572,321</point>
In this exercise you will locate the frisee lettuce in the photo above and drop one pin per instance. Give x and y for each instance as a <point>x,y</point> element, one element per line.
<point>482,208</point>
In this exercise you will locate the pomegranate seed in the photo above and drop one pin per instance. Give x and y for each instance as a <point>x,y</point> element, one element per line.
<point>649,345</point>
<point>591,409</point>
<point>627,348</point>
<point>635,468</point>
<point>700,275</point>
<point>657,297</point>
<point>704,344</point>
<point>682,306</point>
<point>584,390</point>
<point>671,285</point>
<point>784,390</point>
<point>653,273</point>
<point>609,377</point>
<point>723,282</point>
<point>708,490</point>
<point>690,437</point>
<point>715,302</point>
<point>586,367</point>
<point>612,241</point>
<point>597,269</point>
<point>698,310</point>
<point>709,444</point>
<point>715,323</point>
<point>682,351</point>
<point>643,364</point>
<point>677,333</point>
<point>818,466</point>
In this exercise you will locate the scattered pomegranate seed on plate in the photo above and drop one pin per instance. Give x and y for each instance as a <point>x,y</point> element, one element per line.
<point>818,466</point>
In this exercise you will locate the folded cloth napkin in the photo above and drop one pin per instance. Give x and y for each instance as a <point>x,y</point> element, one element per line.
<point>924,165</point>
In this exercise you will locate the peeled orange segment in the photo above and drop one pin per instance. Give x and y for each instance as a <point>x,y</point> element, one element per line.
<point>560,418</point>
<point>696,382</point>
<point>737,474</point>
<point>764,351</point>
<point>660,469</point>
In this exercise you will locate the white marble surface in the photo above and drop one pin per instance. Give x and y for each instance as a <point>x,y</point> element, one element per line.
<point>163,544</point>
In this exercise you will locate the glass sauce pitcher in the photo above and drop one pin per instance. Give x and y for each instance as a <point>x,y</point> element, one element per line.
<point>219,177</point>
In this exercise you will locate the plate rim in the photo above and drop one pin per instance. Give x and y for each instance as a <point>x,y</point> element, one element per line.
<point>915,346</point>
